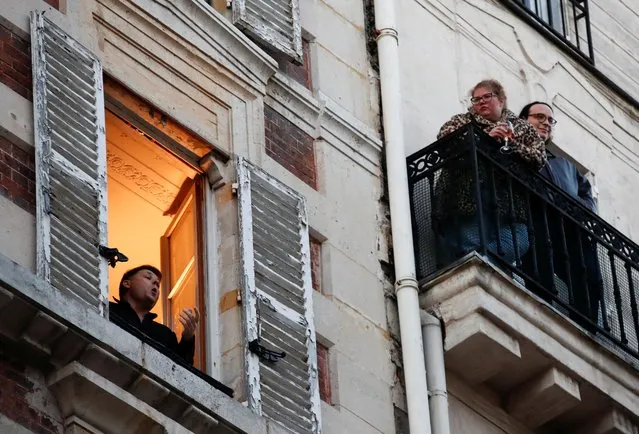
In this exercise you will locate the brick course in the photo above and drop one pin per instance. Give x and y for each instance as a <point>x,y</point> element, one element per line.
<point>290,146</point>
<point>323,373</point>
<point>54,3</point>
<point>300,73</point>
<point>15,403</point>
<point>316,264</point>
<point>15,62</point>
<point>17,175</point>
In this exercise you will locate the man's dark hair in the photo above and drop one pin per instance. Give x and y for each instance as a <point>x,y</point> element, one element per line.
<point>523,114</point>
<point>132,272</point>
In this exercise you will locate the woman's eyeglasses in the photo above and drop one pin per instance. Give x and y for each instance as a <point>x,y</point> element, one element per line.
<point>483,98</point>
<point>543,118</point>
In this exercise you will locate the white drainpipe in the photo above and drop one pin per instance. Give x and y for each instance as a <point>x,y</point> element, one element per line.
<point>435,373</point>
<point>406,283</point>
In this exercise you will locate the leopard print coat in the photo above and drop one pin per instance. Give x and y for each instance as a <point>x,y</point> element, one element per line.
<point>455,197</point>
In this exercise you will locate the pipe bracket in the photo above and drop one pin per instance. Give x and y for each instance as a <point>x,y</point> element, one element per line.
<point>387,31</point>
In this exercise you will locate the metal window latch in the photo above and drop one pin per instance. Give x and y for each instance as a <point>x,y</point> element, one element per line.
<point>112,255</point>
<point>264,353</point>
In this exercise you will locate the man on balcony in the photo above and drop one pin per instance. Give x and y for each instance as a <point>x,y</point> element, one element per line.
<point>562,248</point>
<point>139,292</point>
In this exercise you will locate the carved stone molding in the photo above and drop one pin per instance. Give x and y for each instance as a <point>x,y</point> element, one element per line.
<point>141,180</point>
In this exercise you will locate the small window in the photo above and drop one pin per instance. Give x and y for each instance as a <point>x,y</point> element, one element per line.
<point>567,20</point>
<point>550,12</point>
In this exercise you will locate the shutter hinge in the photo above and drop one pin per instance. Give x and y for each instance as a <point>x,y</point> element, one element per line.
<point>229,4</point>
<point>234,187</point>
<point>264,353</point>
<point>112,255</point>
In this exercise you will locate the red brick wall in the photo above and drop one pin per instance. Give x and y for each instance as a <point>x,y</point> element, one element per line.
<point>316,264</point>
<point>18,396</point>
<point>54,3</point>
<point>17,175</point>
<point>290,146</point>
<point>300,73</point>
<point>15,62</point>
<point>323,373</point>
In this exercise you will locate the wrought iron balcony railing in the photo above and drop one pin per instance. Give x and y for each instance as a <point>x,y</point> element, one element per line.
<point>466,195</point>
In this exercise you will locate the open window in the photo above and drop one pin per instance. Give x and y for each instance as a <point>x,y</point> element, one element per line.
<point>155,210</point>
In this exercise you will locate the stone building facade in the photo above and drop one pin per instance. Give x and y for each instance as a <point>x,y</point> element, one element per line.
<point>186,98</point>
<point>528,379</point>
<point>214,132</point>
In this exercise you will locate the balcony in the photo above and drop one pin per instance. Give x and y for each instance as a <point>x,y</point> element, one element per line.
<point>538,294</point>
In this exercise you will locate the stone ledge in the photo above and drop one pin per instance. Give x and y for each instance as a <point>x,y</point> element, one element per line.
<point>120,357</point>
<point>548,340</point>
<point>83,394</point>
<point>477,349</point>
<point>544,398</point>
<point>612,422</point>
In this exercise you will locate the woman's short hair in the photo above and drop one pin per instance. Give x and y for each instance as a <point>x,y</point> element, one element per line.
<point>132,272</point>
<point>494,86</point>
<point>526,109</point>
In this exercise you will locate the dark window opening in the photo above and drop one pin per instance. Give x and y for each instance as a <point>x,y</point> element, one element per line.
<point>567,20</point>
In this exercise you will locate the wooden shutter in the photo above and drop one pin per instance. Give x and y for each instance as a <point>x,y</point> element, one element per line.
<point>275,23</point>
<point>70,163</point>
<point>277,299</point>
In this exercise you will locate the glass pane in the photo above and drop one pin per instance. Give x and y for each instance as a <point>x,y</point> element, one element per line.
<point>182,243</point>
<point>183,296</point>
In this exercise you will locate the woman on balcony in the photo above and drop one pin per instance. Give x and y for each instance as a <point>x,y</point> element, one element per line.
<point>503,204</point>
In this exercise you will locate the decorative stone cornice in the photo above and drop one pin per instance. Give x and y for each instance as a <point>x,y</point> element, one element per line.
<point>326,120</point>
<point>215,39</point>
<point>350,135</point>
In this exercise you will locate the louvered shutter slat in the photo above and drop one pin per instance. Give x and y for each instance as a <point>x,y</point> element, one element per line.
<point>272,16</point>
<point>277,300</point>
<point>275,23</point>
<point>65,149</point>
<point>288,299</point>
<point>286,266</point>
<point>70,163</point>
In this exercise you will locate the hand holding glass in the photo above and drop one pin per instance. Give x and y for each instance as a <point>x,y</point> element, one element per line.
<point>510,134</point>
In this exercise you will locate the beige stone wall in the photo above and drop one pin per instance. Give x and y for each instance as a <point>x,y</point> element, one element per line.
<point>449,45</point>
<point>342,70</point>
<point>155,49</point>
<point>615,27</point>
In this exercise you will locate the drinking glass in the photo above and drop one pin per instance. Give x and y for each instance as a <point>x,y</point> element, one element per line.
<point>511,134</point>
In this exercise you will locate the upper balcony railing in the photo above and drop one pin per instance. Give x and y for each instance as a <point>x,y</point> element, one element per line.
<point>467,195</point>
<point>566,20</point>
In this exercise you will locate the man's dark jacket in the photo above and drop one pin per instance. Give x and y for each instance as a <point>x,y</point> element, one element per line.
<point>565,175</point>
<point>122,314</point>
